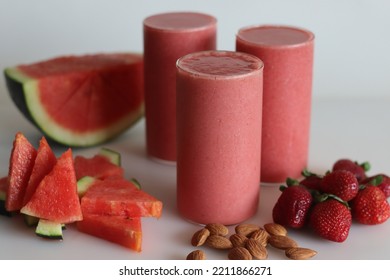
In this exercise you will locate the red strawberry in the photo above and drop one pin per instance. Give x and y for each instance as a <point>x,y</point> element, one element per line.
<point>311,180</point>
<point>292,206</point>
<point>341,183</point>
<point>370,206</point>
<point>359,170</point>
<point>382,181</point>
<point>331,220</point>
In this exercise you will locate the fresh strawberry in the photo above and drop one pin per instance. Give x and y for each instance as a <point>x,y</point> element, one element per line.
<point>382,181</point>
<point>311,180</point>
<point>341,183</point>
<point>331,219</point>
<point>370,206</point>
<point>292,206</point>
<point>359,170</point>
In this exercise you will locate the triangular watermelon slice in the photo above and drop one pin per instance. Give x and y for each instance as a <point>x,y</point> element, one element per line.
<point>56,198</point>
<point>21,164</point>
<point>124,231</point>
<point>119,197</point>
<point>44,163</point>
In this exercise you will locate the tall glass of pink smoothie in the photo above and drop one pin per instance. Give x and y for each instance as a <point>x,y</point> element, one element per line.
<point>219,102</point>
<point>287,53</point>
<point>167,37</point>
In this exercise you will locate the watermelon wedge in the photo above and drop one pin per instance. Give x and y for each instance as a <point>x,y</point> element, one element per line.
<point>123,231</point>
<point>21,164</point>
<point>98,166</point>
<point>119,197</point>
<point>56,199</point>
<point>80,100</point>
<point>43,164</point>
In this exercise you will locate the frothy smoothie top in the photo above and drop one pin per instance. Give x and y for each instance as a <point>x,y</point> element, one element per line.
<point>275,35</point>
<point>179,21</point>
<point>219,63</point>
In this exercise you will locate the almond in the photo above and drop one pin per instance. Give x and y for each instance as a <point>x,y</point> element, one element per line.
<point>275,229</point>
<point>238,240</point>
<point>239,253</point>
<point>199,237</point>
<point>261,235</point>
<point>219,242</point>
<point>196,255</point>
<point>217,229</point>
<point>282,242</point>
<point>299,253</point>
<point>257,250</point>
<point>246,229</point>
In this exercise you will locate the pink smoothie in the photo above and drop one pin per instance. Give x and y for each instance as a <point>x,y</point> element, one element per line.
<point>287,53</point>
<point>219,101</point>
<point>167,37</point>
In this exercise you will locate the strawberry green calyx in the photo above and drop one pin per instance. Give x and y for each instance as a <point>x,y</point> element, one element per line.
<point>282,188</point>
<point>321,197</point>
<point>365,165</point>
<point>377,180</point>
<point>306,173</point>
<point>292,182</point>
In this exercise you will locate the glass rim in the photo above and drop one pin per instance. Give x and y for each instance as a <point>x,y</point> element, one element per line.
<point>198,74</point>
<point>211,24</point>
<point>309,40</point>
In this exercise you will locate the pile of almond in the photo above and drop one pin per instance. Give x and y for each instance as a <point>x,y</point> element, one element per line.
<point>249,241</point>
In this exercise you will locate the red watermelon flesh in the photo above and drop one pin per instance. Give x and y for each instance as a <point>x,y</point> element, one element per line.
<point>56,197</point>
<point>21,164</point>
<point>124,231</point>
<point>80,100</point>
<point>98,166</point>
<point>44,163</point>
<point>119,197</point>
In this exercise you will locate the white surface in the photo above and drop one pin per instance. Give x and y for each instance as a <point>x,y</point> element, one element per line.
<point>350,109</point>
<point>340,128</point>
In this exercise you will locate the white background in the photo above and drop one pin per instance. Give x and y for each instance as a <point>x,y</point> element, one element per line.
<point>350,107</point>
<point>352,36</point>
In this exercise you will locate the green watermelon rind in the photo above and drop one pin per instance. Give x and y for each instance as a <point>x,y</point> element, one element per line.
<point>25,94</point>
<point>49,229</point>
<point>113,156</point>
<point>83,184</point>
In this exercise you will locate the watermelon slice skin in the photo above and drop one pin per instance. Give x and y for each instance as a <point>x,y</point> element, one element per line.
<point>43,164</point>
<point>21,164</point>
<point>119,197</point>
<point>120,230</point>
<point>80,100</point>
<point>56,199</point>
<point>98,167</point>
